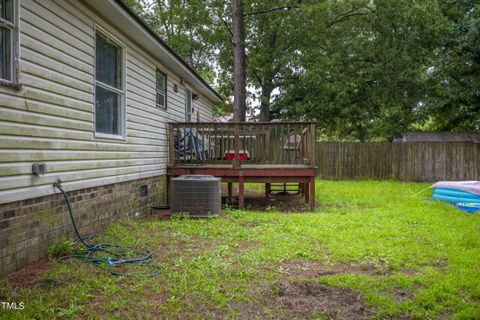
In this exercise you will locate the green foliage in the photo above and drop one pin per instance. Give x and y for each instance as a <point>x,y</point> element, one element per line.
<point>272,44</point>
<point>364,69</point>
<point>61,247</point>
<point>454,100</point>
<point>197,30</point>
<point>228,266</point>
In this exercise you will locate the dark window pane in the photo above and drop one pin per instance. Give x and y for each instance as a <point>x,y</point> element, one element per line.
<point>188,105</point>
<point>5,54</point>
<point>161,89</point>
<point>6,10</point>
<point>108,62</point>
<point>161,81</point>
<point>107,111</point>
<point>160,99</point>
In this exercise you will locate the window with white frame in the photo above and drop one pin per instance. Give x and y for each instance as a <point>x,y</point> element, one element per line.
<point>161,89</point>
<point>188,105</point>
<point>8,40</point>
<point>109,87</point>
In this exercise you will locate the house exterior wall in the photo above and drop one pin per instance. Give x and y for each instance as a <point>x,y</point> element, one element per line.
<point>28,227</point>
<point>50,119</point>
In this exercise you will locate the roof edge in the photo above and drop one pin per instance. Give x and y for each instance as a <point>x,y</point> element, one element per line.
<point>162,43</point>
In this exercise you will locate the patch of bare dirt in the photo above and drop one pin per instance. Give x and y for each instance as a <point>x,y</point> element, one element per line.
<point>402,294</point>
<point>167,249</point>
<point>409,272</point>
<point>160,214</point>
<point>299,296</point>
<point>312,269</point>
<point>444,315</point>
<point>283,202</point>
<point>306,299</point>
<point>245,245</point>
<point>257,201</point>
<point>156,299</point>
<point>32,274</point>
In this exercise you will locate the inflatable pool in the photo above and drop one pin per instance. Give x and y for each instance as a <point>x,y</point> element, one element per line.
<point>466,193</point>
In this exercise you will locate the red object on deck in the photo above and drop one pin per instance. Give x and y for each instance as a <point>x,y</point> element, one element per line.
<point>242,155</point>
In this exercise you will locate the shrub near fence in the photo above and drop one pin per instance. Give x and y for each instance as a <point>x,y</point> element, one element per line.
<point>406,161</point>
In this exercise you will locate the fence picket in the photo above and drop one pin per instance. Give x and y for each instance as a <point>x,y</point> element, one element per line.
<point>409,161</point>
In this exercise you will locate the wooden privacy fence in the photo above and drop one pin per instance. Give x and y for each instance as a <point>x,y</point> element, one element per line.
<point>406,161</point>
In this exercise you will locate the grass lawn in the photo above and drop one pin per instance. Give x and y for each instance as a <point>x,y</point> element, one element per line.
<point>370,250</point>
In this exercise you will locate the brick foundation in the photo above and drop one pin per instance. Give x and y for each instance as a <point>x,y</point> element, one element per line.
<point>29,226</point>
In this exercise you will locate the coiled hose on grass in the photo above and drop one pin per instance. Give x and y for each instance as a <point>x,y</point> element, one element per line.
<point>110,257</point>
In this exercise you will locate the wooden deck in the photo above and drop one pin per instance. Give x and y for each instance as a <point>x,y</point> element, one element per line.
<point>238,153</point>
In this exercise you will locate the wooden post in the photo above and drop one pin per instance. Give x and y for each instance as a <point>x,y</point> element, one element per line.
<point>196,143</point>
<point>313,142</point>
<point>241,193</point>
<point>171,151</point>
<point>267,189</point>
<point>230,191</point>
<point>236,159</point>
<point>307,192</point>
<point>312,193</point>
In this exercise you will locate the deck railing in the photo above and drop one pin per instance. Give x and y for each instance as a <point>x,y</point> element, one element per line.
<point>276,143</point>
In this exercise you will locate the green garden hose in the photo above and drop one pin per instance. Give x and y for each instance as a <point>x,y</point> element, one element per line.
<point>108,256</point>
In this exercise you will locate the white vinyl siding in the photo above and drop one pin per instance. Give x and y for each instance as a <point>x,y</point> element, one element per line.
<point>8,41</point>
<point>52,119</point>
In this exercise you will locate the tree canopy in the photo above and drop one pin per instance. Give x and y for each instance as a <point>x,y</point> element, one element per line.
<point>364,69</point>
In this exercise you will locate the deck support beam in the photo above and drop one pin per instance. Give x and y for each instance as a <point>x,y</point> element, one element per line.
<point>267,175</point>
<point>230,192</point>
<point>307,193</point>
<point>312,193</point>
<point>241,192</point>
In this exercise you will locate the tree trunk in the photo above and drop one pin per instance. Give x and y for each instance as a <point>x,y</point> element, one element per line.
<point>239,67</point>
<point>265,102</point>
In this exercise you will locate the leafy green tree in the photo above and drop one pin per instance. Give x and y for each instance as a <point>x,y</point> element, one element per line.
<point>201,32</point>
<point>454,100</point>
<point>364,67</point>
<point>191,27</point>
<point>275,30</point>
